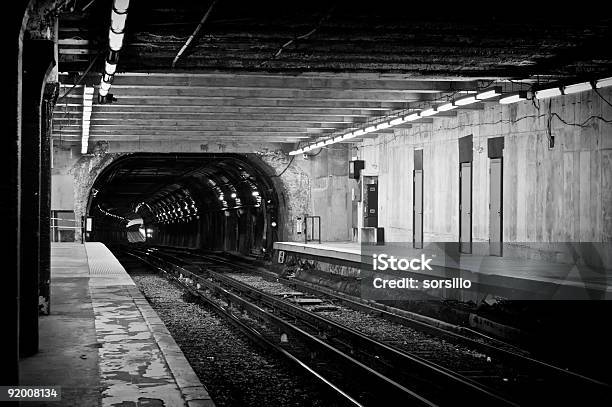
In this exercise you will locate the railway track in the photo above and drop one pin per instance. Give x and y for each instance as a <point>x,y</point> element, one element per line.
<point>395,374</point>
<point>525,380</point>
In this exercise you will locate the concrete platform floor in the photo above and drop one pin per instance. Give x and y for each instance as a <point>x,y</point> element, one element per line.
<point>103,343</point>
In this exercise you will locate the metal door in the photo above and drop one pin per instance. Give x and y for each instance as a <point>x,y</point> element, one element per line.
<point>417,212</point>
<point>465,208</point>
<point>495,207</point>
<point>371,207</point>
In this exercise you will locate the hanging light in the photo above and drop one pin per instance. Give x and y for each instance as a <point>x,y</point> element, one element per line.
<point>513,97</point>
<point>576,88</point>
<point>602,83</point>
<point>468,100</point>
<point>489,93</point>
<point>547,93</point>
<point>428,112</point>
<point>446,107</point>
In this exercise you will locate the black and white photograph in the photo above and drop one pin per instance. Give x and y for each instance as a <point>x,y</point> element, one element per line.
<point>232,203</point>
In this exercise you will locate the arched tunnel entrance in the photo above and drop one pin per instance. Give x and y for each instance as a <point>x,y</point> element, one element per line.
<point>226,202</point>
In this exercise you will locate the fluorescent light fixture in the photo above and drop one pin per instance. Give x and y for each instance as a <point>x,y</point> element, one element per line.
<point>576,88</point>
<point>329,141</point>
<point>233,195</point>
<point>602,83</point>
<point>412,117</point>
<point>446,107</point>
<point>384,125</point>
<point>489,93</point>
<point>320,144</point>
<point>115,41</point>
<point>513,97</point>
<point>370,129</point>
<point>118,21</point>
<point>547,93</point>
<point>428,112</point>
<point>110,68</point>
<point>121,6</point>
<point>397,121</point>
<point>466,101</point>
<point>296,152</point>
<point>348,136</point>
<point>359,132</point>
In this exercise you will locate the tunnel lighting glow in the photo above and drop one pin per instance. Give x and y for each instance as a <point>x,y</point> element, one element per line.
<point>446,107</point>
<point>221,198</point>
<point>233,195</point>
<point>576,88</point>
<point>513,98</point>
<point>489,93</point>
<point>273,224</point>
<point>547,93</point>
<point>255,193</point>
<point>602,83</point>
<point>115,41</point>
<point>466,101</point>
<point>428,112</point>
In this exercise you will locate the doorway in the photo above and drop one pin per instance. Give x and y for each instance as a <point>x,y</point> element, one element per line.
<point>465,207</point>
<point>495,206</point>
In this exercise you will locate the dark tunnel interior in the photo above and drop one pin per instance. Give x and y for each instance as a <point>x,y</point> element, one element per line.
<point>225,202</point>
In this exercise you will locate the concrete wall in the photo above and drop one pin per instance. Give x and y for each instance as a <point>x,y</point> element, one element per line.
<point>550,195</point>
<point>329,191</point>
<point>72,176</point>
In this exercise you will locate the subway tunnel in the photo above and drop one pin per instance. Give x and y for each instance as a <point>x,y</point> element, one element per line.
<point>195,190</point>
<point>225,202</point>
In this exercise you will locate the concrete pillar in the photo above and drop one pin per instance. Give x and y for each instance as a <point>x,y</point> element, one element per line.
<point>10,193</point>
<point>49,99</point>
<point>38,59</point>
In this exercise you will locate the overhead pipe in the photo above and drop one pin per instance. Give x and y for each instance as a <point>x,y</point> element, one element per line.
<point>116,33</point>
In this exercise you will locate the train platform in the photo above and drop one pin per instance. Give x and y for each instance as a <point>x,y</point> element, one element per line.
<point>102,343</point>
<point>510,274</point>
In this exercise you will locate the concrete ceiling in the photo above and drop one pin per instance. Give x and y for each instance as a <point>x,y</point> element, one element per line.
<point>280,74</point>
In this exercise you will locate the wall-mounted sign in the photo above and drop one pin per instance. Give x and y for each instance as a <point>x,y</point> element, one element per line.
<point>281,256</point>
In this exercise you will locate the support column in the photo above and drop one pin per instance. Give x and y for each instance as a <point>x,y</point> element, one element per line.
<point>10,193</point>
<point>44,280</point>
<point>38,59</point>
